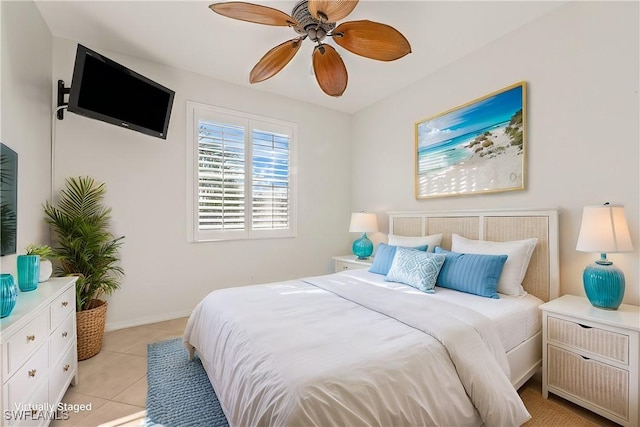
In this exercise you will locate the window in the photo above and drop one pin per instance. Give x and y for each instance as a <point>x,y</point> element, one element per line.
<point>240,175</point>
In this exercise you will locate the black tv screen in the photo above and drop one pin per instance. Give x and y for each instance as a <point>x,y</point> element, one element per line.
<point>8,200</point>
<point>104,90</point>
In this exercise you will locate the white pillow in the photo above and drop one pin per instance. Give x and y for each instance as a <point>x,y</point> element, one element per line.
<point>411,242</point>
<point>518,256</point>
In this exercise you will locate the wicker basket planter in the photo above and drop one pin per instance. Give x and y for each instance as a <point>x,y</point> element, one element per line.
<point>90,329</point>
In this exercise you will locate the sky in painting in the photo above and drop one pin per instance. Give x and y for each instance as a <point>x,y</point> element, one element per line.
<point>479,115</point>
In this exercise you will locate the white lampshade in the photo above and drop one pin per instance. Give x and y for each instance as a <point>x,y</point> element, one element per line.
<point>604,229</point>
<point>363,222</point>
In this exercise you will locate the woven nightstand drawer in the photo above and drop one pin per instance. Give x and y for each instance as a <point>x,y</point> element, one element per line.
<point>595,382</point>
<point>609,344</point>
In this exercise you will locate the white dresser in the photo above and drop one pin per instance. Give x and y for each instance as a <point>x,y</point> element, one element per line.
<point>590,356</point>
<point>38,357</point>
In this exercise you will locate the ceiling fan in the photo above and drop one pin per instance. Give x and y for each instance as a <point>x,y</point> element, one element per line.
<point>316,20</point>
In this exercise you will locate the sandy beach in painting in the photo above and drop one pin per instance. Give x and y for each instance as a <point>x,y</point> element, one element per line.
<point>494,165</point>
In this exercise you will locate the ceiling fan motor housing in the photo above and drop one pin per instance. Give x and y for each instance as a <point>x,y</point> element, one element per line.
<point>309,25</point>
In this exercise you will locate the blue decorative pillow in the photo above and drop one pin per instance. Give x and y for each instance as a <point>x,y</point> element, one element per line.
<point>384,257</point>
<point>415,268</point>
<point>471,273</point>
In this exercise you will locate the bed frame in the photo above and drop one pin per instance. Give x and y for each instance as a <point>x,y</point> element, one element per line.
<point>542,278</point>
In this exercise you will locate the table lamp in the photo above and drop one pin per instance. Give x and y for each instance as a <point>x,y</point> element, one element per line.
<point>362,223</point>
<point>604,229</point>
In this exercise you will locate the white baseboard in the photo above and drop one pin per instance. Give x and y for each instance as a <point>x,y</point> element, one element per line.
<point>112,326</point>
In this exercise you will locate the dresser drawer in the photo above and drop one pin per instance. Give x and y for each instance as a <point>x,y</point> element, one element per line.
<point>26,341</point>
<point>62,306</point>
<point>36,415</point>
<point>342,266</point>
<point>61,337</point>
<point>62,373</point>
<point>597,383</point>
<point>26,379</point>
<point>608,344</point>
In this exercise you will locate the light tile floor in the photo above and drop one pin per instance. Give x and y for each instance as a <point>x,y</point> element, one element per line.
<point>114,382</point>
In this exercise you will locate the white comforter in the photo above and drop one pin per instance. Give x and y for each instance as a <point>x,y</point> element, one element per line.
<point>336,351</point>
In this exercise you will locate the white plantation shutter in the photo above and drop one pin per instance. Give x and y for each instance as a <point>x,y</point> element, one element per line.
<point>241,175</point>
<point>221,169</point>
<point>270,181</point>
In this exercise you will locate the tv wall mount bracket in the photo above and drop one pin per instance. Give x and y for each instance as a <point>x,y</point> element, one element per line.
<point>62,91</point>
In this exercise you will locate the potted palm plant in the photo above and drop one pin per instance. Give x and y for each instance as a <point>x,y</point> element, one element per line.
<point>86,248</point>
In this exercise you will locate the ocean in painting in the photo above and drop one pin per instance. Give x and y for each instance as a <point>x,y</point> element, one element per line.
<point>451,151</point>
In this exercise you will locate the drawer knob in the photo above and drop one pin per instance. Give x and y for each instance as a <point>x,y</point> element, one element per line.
<point>345,267</point>
<point>584,326</point>
<point>32,373</point>
<point>31,338</point>
<point>65,303</point>
<point>65,368</point>
<point>64,335</point>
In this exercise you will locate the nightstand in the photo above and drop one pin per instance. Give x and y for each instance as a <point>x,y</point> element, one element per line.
<point>349,262</point>
<point>590,356</point>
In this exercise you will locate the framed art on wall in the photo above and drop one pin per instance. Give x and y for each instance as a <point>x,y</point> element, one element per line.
<point>478,147</point>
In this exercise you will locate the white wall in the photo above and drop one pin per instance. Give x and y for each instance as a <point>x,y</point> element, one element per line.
<point>581,65</point>
<point>26,94</point>
<point>146,185</point>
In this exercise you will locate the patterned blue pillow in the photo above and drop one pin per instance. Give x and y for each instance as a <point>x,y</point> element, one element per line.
<point>415,268</point>
<point>384,257</point>
<point>471,273</point>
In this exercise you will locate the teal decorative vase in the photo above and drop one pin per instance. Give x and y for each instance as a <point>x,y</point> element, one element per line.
<point>604,284</point>
<point>8,294</point>
<point>28,272</point>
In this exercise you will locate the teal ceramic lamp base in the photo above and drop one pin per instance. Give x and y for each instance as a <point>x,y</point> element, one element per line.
<point>363,247</point>
<point>604,284</point>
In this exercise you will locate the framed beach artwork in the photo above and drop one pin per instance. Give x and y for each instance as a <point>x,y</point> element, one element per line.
<point>478,147</point>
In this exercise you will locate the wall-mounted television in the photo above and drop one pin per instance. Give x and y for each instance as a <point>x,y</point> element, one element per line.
<point>8,200</point>
<point>104,90</point>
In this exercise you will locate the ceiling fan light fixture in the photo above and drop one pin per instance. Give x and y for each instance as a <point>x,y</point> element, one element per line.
<point>316,20</point>
<point>316,35</point>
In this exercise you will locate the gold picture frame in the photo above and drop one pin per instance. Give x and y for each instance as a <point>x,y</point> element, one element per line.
<point>478,147</point>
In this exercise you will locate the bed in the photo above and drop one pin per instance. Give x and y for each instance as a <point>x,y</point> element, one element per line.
<point>353,349</point>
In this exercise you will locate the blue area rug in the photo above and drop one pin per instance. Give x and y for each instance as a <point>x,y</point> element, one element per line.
<point>179,392</point>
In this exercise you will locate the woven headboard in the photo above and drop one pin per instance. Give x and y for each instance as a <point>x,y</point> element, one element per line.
<point>543,276</point>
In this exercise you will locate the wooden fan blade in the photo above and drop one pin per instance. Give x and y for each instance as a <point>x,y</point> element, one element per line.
<point>329,69</point>
<point>372,40</point>
<point>256,13</point>
<point>275,60</point>
<point>331,10</point>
